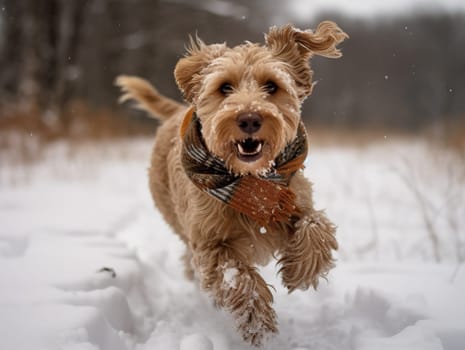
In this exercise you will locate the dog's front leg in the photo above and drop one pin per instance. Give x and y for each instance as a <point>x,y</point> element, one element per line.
<point>308,256</point>
<point>237,287</point>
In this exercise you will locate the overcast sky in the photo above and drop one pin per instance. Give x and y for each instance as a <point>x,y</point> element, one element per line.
<point>306,8</point>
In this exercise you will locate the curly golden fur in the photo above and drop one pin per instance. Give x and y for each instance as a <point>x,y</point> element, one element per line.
<point>267,84</point>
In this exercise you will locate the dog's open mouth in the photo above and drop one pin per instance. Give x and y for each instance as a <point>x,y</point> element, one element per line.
<point>249,150</point>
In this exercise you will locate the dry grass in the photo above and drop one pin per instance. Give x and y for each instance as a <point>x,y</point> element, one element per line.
<point>77,121</point>
<point>24,134</point>
<point>325,136</point>
<point>449,135</point>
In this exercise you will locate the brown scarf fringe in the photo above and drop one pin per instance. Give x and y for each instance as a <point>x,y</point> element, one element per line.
<point>265,199</point>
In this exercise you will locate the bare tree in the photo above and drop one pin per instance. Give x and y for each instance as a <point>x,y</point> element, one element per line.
<point>404,72</point>
<point>41,44</point>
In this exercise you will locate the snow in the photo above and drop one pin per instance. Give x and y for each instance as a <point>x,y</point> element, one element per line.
<point>229,277</point>
<point>87,263</point>
<point>196,341</point>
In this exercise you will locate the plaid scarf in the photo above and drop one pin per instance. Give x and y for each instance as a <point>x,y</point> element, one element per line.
<point>265,199</point>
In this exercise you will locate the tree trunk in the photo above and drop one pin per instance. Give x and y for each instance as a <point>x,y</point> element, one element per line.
<point>67,48</point>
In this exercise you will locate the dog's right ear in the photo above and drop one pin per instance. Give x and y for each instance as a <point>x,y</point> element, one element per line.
<point>296,47</point>
<point>287,40</point>
<point>188,71</point>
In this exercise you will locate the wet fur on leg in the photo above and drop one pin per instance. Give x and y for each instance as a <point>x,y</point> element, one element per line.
<point>238,288</point>
<point>307,256</point>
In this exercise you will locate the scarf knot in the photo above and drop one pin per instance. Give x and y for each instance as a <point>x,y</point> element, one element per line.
<point>266,198</point>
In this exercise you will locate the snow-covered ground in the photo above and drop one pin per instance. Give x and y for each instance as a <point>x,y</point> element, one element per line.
<point>87,263</point>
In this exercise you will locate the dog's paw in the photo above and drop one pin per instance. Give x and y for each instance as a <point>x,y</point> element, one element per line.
<point>308,255</point>
<point>257,323</point>
<point>246,295</point>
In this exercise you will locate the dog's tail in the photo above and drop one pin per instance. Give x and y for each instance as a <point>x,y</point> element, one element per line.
<point>147,97</point>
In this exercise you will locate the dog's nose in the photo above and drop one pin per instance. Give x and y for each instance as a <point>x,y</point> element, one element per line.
<point>249,122</point>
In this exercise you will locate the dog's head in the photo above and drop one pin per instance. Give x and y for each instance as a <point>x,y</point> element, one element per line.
<point>248,98</point>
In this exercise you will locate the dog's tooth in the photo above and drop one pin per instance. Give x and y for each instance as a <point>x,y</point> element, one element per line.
<point>244,152</point>
<point>241,150</point>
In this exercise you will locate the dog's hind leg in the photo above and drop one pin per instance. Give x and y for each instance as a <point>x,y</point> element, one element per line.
<point>237,287</point>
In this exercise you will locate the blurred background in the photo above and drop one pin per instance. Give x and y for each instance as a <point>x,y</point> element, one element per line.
<point>403,69</point>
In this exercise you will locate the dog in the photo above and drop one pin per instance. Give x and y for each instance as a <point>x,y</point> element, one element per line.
<point>226,169</point>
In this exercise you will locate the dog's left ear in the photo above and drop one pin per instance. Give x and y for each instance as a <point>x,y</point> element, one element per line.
<point>296,47</point>
<point>188,71</point>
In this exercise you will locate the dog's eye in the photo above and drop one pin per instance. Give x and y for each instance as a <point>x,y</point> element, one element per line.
<point>270,87</point>
<point>226,89</point>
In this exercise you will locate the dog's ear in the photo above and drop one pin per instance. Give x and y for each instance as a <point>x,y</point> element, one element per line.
<point>188,71</point>
<point>296,47</point>
<point>287,40</point>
